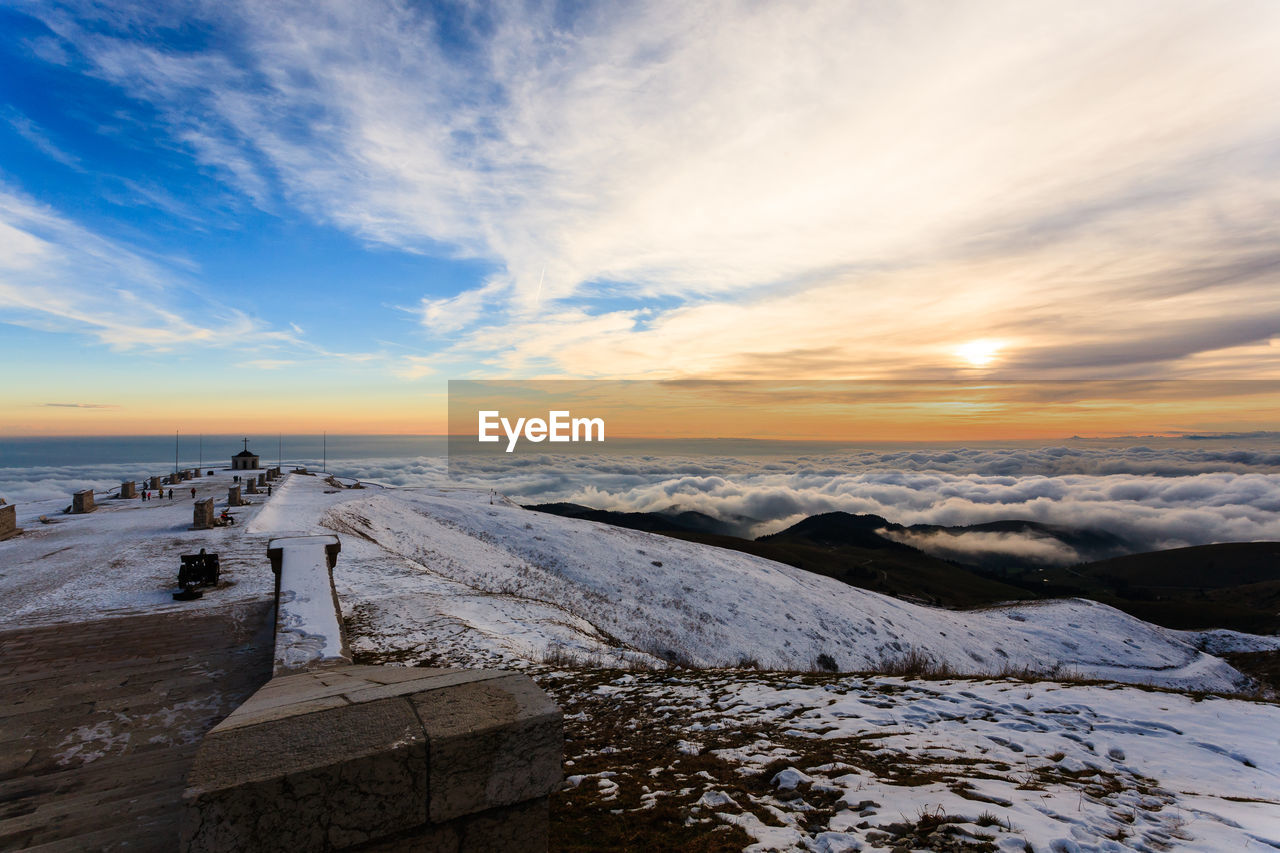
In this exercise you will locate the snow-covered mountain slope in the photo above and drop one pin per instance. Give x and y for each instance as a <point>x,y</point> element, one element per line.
<point>467,570</point>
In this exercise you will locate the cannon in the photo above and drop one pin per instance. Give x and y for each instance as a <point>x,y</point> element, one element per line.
<point>197,570</point>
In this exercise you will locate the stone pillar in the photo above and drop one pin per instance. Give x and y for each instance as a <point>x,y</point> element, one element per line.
<point>154,484</point>
<point>252,488</point>
<point>202,516</point>
<point>233,497</point>
<point>128,489</point>
<point>8,522</point>
<point>262,479</point>
<point>82,501</point>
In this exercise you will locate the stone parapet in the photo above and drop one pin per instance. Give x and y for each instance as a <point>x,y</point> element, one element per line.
<point>332,756</point>
<point>378,758</point>
<point>309,628</point>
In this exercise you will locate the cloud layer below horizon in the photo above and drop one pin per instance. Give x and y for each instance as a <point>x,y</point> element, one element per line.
<point>1150,498</point>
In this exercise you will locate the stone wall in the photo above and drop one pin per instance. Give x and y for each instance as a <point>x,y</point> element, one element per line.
<point>331,756</point>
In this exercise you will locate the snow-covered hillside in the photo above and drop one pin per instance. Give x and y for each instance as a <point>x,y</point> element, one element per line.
<point>791,761</point>
<point>463,576</point>
<point>476,570</point>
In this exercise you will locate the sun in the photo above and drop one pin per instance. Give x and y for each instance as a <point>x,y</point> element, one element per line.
<point>979,353</point>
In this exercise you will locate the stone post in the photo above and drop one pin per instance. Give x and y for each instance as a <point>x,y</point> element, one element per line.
<point>82,501</point>
<point>128,489</point>
<point>233,497</point>
<point>252,488</point>
<point>202,515</point>
<point>9,522</point>
<point>262,479</point>
<point>154,484</point>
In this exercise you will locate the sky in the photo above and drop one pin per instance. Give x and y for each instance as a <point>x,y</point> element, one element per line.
<point>235,216</point>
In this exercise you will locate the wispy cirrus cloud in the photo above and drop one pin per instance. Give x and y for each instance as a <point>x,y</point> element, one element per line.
<point>748,189</point>
<point>57,275</point>
<point>81,405</point>
<point>39,138</point>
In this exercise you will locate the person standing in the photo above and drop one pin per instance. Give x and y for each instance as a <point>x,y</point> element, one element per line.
<point>171,494</point>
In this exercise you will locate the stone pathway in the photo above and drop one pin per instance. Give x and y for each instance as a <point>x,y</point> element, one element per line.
<point>100,720</point>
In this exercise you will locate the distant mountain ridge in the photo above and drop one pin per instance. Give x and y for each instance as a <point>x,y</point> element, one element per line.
<point>1230,585</point>
<point>688,521</point>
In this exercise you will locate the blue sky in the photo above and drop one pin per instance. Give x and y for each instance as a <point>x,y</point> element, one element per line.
<point>211,211</point>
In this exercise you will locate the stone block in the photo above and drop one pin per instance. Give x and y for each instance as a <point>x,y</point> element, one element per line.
<point>252,488</point>
<point>524,827</point>
<point>233,497</point>
<point>82,501</point>
<point>262,479</point>
<point>491,743</point>
<point>202,514</point>
<point>314,781</point>
<point>154,484</point>
<point>352,759</point>
<point>9,522</point>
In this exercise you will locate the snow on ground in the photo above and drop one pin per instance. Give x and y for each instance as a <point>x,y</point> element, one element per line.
<point>833,763</point>
<point>541,586</point>
<point>787,761</point>
<point>124,557</point>
<point>469,577</point>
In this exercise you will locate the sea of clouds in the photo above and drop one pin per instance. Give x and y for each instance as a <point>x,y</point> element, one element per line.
<point>1151,497</point>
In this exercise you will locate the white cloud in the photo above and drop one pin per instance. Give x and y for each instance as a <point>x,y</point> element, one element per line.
<point>267,363</point>
<point>846,189</point>
<point>55,274</point>
<point>1037,550</point>
<point>1150,498</point>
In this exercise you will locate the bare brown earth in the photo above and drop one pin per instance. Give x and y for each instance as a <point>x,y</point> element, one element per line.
<point>100,720</point>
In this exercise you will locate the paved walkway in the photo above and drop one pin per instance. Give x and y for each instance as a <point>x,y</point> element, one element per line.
<point>99,721</point>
